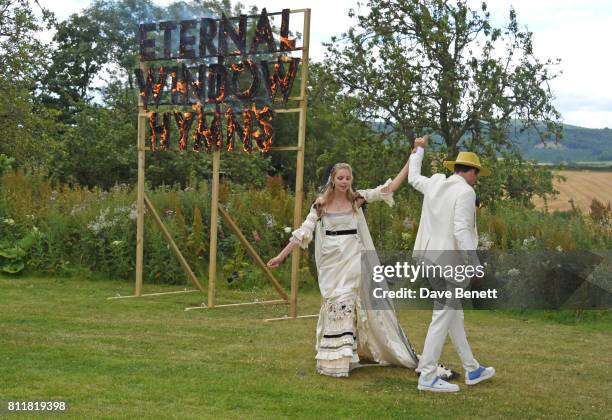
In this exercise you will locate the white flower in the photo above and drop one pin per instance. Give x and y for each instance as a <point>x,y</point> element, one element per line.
<point>529,242</point>
<point>287,229</point>
<point>101,222</point>
<point>407,223</point>
<point>513,272</point>
<point>559,248</point>
<point>116,243</point>
<point>485,242</point>
<point>270,222</point>
<point>9,221</point>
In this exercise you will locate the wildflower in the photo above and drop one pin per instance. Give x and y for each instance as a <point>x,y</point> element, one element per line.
<point>102,222</point>
<point>9,221</point>
<point>116,243</point>
<point>513,272</point>
<point>529,242</point>
<point>407,223</point>
<point>287,229</point>
<point>270,222</point>
<point>485,242</point>
<point>559,248</point>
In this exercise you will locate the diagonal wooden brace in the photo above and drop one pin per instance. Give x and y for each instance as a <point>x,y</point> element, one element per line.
<point>173,247</point>
<point>234,227</point>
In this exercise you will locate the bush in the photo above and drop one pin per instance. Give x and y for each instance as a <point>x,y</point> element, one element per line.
<point>62,230</point>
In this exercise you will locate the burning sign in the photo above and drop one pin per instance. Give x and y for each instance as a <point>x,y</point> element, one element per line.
<point>226,90</point>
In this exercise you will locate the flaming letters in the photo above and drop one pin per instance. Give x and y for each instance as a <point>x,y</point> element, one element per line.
<point>230,99</point>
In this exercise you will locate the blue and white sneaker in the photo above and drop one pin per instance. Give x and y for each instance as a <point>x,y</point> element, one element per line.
<point>479,375</point>
<point>437,385</point>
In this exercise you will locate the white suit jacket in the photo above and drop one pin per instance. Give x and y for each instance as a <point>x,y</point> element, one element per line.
<point>448,217</point>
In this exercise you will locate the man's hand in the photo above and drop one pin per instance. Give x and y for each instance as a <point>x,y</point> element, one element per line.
<point>420,142</point>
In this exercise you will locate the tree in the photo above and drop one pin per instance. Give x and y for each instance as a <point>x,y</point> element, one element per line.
<point>80,54</point>
<point>27,131</point>
<point>439,66</point>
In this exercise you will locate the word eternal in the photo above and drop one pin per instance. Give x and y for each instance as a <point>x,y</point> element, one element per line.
<point>219,30</point>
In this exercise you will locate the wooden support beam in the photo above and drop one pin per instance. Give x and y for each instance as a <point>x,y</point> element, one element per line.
<point>142,121</point>
<point>262,302</point>
<point>286,318</point>
<point>214,205</point>
<point>177,253</point>
<point>251,251</point>
<point>152,294</point>
<point>299,171</point>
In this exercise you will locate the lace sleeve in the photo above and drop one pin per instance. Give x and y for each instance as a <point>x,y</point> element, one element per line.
<point>303,235</point>
<point>376,194</point>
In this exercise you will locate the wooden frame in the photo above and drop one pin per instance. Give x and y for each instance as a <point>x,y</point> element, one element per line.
<point>216,209</point>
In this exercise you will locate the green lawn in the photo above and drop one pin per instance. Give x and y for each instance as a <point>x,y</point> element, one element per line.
<point>147,357</point>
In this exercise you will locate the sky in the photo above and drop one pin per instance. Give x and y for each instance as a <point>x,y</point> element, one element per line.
<point>579,32</point>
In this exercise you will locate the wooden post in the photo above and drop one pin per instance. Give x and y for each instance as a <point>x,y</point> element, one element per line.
<point>214,211</point>
<point>142,121</point>
<point>299,177</point>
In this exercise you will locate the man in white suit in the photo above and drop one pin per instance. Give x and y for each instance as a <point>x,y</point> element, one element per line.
<point>448,223</point>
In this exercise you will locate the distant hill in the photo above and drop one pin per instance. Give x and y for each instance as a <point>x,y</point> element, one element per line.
<point>578,144</point>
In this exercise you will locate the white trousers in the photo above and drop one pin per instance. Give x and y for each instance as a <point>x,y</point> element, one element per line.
<point>446,321</point>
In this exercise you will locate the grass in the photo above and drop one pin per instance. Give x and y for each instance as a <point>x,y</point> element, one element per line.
<point>63,340</point>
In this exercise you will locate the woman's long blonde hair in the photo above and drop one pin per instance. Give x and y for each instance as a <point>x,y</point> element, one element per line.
<point>326,191</point>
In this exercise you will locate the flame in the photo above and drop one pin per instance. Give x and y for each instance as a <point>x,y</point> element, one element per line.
<point>264,117</point>
<point>212,75</point>
<point>231,125</point>
<point>152,126</point>
<point>238,68</point>
<point>183,121</point>
<point>157,88</point>
<point>279,78</point>
<point>247,120</point>
<point>165,137</point>
<point>199,132</point>
<point>287,44</point>
<point>215,130</point>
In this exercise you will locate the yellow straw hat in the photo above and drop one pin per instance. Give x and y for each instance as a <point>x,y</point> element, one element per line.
<point>467,159</point>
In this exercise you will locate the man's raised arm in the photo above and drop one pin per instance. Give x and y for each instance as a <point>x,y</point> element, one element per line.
<point>415,178</point>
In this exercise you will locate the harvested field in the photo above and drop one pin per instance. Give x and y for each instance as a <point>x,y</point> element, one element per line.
<point>582,187</point>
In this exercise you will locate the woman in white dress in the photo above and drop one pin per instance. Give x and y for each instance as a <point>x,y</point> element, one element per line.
<point>348,327</point>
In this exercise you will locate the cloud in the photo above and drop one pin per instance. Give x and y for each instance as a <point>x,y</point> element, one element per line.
<point>576,32</point>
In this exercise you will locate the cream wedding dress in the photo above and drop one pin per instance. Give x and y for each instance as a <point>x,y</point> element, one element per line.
<point>348,329</point>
